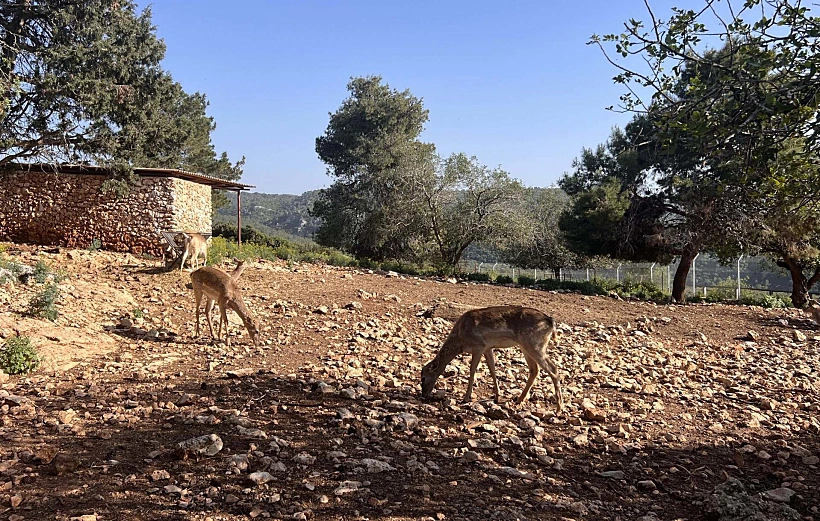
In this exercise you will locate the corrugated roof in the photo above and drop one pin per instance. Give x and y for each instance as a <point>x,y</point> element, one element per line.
<point>215,182</point>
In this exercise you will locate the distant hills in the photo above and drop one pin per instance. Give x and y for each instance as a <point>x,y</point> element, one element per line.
<point>282,215</point>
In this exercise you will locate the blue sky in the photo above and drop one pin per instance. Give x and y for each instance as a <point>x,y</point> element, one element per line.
<point>512,83</point>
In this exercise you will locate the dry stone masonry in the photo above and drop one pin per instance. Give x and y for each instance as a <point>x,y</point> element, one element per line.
<point>71,210</point>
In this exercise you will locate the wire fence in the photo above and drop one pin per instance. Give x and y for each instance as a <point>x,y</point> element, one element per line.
<point>708,275</point>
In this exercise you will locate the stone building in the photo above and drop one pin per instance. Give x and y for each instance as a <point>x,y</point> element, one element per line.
<point>66,206</point>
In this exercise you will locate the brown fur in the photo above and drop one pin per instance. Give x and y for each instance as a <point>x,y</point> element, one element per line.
<point>479,331</point>
<point>217,286</point>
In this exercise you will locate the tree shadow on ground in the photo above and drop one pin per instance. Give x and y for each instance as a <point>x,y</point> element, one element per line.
<point>121,432</point>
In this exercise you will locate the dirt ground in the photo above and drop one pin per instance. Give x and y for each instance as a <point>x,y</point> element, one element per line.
<point>672,412</point>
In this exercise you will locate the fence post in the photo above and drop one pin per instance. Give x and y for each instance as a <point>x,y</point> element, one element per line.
<point>652,273</point>
<point>479,266</point>
<point>560,273</point>
<point>535,273</point>
<point>618,273</point>
<point>737,295</point>
<point>694,289</point>
<point>587,274</point>
<point>669,277</point>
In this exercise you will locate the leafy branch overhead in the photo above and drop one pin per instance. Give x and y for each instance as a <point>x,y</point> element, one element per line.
<point>82,82</point>
<point>728,95</point>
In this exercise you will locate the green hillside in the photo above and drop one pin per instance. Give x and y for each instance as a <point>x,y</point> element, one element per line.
<point>282,215</point>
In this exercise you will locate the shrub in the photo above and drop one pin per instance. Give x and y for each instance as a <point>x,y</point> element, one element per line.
<point>42,305</point>
<point>18,356</point>
<point>41,272</point>
<point>526,280</point>
<point>504,279</point>
<point>766,301</point>
<point>642,290</point>
<point>478,277</point>
<point>95,245</point>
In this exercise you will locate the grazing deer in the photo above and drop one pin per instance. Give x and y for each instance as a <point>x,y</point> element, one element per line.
<point>479,331</point>
<point>194,245</point>
<point>814,307</point>
<point>217,286</point>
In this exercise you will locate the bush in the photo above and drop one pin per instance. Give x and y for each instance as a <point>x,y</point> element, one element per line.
<point>766,301</point>
<point>18,356</point>
<point>642,290</point>
<point>478,277</point>
<point>43,304</point>
<point>95,245</point>
<point>504,279</point>
<point>41,272</point>
<point>526,280</point>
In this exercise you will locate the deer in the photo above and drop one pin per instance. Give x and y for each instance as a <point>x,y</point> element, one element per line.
<point>480,331</point>
<point>814,307</point>
<point>195,244</point>
<point>215,285</point>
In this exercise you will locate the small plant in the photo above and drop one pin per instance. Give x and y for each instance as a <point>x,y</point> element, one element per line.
<point>18,356</point>
<point>503,279</point>
<point>43,304</point>
<point>95,245</point>
<point>41,272</point>
<point>138,314</point>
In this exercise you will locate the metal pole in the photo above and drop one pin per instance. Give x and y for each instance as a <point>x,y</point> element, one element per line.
<point>587,274</point>
<point>535,273</point>
<point>694,290</point>
<point>239,220</point>
<point>618,273</point>
<point>652,273</point>
<point>737,295</point>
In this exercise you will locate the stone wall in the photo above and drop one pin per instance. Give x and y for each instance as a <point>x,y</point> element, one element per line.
<point>71,210</point>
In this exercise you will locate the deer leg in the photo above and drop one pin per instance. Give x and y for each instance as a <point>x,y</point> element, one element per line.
<point>473,366</point>
<point>490,358</point>
<point>551,370</point>
<point>182,263</point>
<point>198,298</point>
<point>209,306</point>
<point>533,365</point>
<point>223,311</point>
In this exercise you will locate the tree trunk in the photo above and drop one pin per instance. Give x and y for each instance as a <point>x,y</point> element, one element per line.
<point>801,285</point>
<point>679,282</point>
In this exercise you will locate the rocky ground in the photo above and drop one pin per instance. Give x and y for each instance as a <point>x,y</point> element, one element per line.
<point>673,412</point>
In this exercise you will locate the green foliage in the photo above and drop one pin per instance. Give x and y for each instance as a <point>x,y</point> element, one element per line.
<point>765,300</point>
<point>222,248</point>
<point>526,280</point>
<point>83,82</point>
<point>504,279</point>
<point>531,237</point>
<point>43,304</point>
<point>370,144</point>
<point>41,272</point>
<point>284,215</point>
<point>138,313</point>
<point>478,277</point>
<point>95,245</point>
<point>18,356</point>
<point>249,234</point>
<point>640,289</point>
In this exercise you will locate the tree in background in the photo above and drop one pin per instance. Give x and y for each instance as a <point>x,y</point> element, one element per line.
<point>463,203</point>
<point>741,109</point>
<point>532,237</point>
<point>81,82</point>
<point>370,146</point>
